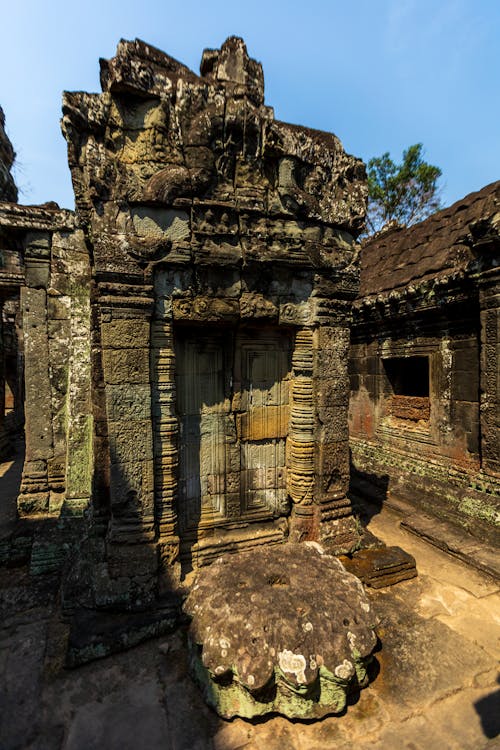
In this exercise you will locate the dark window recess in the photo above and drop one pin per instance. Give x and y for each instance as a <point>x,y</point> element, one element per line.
<point>408,376</point>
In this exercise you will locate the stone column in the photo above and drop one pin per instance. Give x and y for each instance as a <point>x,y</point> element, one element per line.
<point>79,435</point>
<point>34,495</point>
<point>165,428</point>
<point>131,552</point>
<point>300,442</point>
<point>331,390</point>
<point>489,300</point>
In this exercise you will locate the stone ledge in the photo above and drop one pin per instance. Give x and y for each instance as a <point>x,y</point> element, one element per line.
<point>94,635</point>
<point>455,542</point>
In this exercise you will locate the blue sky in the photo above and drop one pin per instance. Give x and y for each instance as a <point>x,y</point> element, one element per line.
<point>381,74</point>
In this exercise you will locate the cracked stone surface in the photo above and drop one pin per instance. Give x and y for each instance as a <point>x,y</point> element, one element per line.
<point>437,685</point>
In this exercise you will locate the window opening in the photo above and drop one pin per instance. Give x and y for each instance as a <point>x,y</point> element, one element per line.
<point>409,382</point>
<point>408,376</point>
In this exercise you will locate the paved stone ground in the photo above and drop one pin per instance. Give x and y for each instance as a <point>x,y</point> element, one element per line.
<point>437,684</point>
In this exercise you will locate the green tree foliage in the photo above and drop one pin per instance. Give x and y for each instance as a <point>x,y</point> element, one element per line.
<point>405,193</point>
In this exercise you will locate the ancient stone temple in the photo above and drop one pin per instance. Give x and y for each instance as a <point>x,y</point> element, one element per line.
<point>183,337</point>
<point>223,267</point>
<point>424,366</point>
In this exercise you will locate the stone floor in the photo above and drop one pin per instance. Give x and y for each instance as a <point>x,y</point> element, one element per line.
<point>437,684</point>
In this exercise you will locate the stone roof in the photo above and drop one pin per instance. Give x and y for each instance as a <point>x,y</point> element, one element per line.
<point>447,242</point>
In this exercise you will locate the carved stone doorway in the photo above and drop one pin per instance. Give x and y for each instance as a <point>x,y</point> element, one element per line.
<point>233,411</point>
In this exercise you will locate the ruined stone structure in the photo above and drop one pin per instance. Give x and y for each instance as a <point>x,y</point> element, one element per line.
<point>178,350</point>
<point>45,354</point>
<point>424,365</point>
<point>10,280</point>
<point>8,190</point>
<point>186,331</point>
<point>185,337</point>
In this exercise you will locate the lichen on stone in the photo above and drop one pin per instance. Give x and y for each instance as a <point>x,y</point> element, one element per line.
<point>279,629</point>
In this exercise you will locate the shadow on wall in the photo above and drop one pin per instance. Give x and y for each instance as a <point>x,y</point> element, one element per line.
<point>368,492</point>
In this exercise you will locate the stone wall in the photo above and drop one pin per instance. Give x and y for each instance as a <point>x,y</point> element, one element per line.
<point>47,281</point>
<point>9,272</point>
<point>424,402</point>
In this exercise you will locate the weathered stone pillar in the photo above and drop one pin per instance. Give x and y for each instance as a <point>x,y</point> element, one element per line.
<point>489,300</point>
<point>165,429</point>
<point>131,554</point>
<point>300,442</point>
<point>79,440</point>
<point>34,494</point>
<point>331,351</point>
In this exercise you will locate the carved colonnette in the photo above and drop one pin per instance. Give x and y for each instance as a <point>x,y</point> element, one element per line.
<point>489,301</point>
<point>224,265</point>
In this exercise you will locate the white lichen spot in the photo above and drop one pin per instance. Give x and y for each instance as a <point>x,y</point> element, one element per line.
<point>223,653</point>
<point>316,546</point>
<point>219,670</point>
<point>307,627</point>
<point>344,670</point>
<point>365,606</point>
<point>293,664</point>
<point>250,680</point>
<point>224,643</point>
<point>351,637</point>
<point>312,663</point>
<point>272,651</point>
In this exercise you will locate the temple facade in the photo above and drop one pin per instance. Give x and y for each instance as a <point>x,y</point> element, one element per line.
<point>185,333</point>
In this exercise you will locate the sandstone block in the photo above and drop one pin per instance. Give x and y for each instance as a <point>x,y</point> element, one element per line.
<point>283,629</point>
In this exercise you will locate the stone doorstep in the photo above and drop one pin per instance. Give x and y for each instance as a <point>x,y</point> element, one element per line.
<point>455,542</point>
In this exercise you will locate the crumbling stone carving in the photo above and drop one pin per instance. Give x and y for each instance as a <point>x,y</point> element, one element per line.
<point>283,629</point>
<point>224,264</point>
<point>8,190</point>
